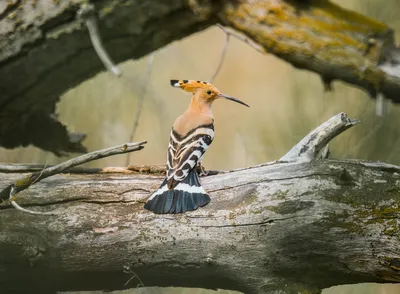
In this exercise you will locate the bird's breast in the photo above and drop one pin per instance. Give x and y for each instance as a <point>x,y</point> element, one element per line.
<point>188,122</point>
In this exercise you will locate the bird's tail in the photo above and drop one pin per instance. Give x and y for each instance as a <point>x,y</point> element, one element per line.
<point>185,196</point>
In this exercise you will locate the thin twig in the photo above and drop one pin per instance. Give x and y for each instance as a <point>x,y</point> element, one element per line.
<point>88,15</point>
<point>140,101</point>
<point>128,270</point>
<point>27,181</point>
<point>17,207</point>
<point>242,37</point>
<point>222,58</point>
<point>41,173</point>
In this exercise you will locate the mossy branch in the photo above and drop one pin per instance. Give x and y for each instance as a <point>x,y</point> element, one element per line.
<point>320,36</point>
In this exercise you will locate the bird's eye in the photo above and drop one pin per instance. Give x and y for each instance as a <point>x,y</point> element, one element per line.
<point>208,92</point>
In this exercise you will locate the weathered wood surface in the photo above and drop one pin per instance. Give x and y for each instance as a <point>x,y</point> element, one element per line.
<point>278,228</point>
<point>45,50</point>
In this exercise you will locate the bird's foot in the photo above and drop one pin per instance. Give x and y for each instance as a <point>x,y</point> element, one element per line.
<point>201,170</point>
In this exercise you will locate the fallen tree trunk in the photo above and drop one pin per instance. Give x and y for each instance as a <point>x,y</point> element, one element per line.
<point>47,46</point>
<point>282,227</point>
<point>289,227</point>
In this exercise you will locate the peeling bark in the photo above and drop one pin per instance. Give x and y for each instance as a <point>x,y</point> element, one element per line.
<point>44,44</point>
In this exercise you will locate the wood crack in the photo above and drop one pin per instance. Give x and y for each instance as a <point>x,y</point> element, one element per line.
<point>273,180</point>
<point>6,205</point>
<point>234,225</point>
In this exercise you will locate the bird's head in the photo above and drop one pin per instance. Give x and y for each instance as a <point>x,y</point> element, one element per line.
<point>203,91</point>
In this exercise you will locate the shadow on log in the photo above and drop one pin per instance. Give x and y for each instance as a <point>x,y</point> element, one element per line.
<point>47,46</point>
<point>281,227</point>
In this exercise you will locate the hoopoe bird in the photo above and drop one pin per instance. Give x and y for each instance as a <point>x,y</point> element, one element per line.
<point>191,135</point>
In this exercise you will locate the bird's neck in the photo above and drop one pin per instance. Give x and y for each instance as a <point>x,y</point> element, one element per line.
<point>201,107</point>
<point>196,115</point>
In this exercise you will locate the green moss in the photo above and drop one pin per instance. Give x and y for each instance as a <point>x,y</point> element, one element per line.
<point>344,197</point>
<point>107,10</point>
<point>24,182</point>
<point>231,215</point>
<point>377,193</point>
<point>390,231</point>
<point>364,216</point>
<point>327,32</point>
<point>281,195</point>
<point>256,211</point>
<point>341,220</point>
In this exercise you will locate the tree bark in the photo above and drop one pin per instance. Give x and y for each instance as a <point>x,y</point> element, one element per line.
<point>45,50</point>
<point>291,226</point>
<point>280,228</point>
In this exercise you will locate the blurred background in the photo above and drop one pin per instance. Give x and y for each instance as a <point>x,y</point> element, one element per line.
<point>285,104</point>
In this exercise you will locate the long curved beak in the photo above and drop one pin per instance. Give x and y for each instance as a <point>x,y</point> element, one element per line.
<point>232,99</point>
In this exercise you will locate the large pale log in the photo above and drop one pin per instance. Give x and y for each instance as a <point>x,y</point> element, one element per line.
<point>284,227</point>
<point>45,50</point>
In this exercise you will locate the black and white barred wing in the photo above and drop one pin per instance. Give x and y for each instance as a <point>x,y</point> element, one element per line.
<point>181,190</point>
<point>185,151</point>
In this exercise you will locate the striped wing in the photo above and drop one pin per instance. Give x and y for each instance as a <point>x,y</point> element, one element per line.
<point>185,151</point>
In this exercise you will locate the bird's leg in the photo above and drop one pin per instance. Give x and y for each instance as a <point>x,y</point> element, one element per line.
<point>202,170</point>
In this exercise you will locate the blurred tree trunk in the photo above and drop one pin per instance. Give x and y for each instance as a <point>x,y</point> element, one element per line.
<point>277,228</point>
<point>46,50</point>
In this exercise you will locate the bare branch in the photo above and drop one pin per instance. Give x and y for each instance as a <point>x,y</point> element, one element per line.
<point>27,181</point>
<point>309,147</point>
<point>87,14</point>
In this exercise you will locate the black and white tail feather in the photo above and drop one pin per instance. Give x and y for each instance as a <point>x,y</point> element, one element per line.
<point>181,190</point>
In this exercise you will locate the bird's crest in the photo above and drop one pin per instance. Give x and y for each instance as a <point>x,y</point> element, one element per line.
<point>192,85</point>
